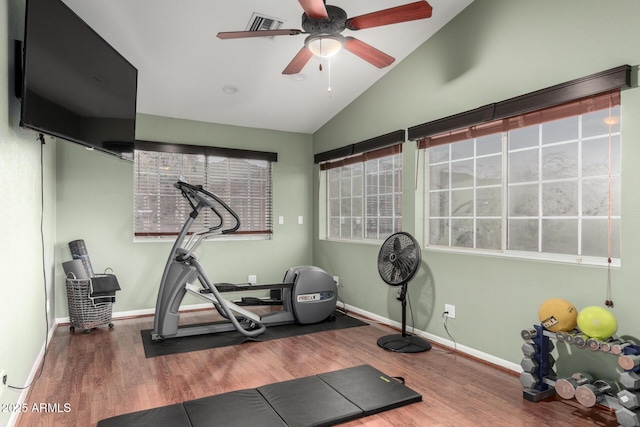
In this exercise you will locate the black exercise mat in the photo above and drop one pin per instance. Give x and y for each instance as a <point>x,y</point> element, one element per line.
<point>165,416</point>
<point>382,392</point>
<point>223,339</point>
<point>242,408</point>
<point>314,401</point>
<point>309,401</point>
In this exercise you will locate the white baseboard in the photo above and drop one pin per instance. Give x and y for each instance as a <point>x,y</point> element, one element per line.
<point>34,371</point>
<point>139,313</point>
<point>383,320</point>
<point>444,342</point>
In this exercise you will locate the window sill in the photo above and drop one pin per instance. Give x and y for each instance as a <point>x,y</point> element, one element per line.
<point>224,238</point>
<point>358,242</point>
<point>532,256</point>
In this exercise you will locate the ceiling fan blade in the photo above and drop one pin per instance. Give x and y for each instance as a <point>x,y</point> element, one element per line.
<point>368,53</point>
<point>314,8</point>
<point>394,15</point>
<point>298,62</point>
<point>261,33</point>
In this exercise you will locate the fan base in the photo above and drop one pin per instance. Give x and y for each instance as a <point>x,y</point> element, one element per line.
<point>404,343</point>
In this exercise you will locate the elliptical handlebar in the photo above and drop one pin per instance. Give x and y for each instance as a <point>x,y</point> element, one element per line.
<point>196,195</point>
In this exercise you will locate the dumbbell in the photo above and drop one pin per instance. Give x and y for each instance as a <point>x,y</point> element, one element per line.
<point>591,394</point>
<point>528,334</point>
<point>568,337</point>
<point>629,362</point>
<point>529,380</point>
<point>529,348</point>
<point>529,364</point>
<point>566,387</point>
<point>606,346</point>
<point>619,348</point>
<point>627,417</point>
<point>580,340</point>
<point>629,399</point>
<point>533,380</point>
<point>593,344</point>
<point>552,360</point>
<point>629,380</point>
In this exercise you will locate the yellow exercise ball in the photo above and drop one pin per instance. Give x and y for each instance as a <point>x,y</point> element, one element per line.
<point>597,322</point>
<point>557,314</point>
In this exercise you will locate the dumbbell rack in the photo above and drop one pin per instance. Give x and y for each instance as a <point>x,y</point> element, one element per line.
<point>539,379</point>
<point>539,382</point>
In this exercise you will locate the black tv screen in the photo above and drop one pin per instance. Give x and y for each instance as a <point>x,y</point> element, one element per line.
<point>74,84</point>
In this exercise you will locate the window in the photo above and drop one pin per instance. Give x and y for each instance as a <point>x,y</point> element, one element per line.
<point>364,198</point>
<point>244,183</point>
<point>465,193</point>
<point>547,187</point>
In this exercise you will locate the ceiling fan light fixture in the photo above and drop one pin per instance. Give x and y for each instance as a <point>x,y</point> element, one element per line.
<point>324,45</point>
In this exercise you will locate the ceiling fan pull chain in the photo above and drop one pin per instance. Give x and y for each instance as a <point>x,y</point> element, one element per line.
<point>329,73</point>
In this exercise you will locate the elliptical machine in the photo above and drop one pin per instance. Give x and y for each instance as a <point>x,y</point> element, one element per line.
<point>308,293</point>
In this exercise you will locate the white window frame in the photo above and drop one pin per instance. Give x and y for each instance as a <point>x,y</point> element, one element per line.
<point>505,186</point>
<point>395,196</point>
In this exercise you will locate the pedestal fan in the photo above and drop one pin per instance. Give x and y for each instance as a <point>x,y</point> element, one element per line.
<point>398,261</point>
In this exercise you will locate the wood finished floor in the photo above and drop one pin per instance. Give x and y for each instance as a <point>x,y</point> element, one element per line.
<point>105,373</point>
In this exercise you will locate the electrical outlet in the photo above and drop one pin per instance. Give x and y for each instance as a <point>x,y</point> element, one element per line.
<point>3,376</point>
<point>337,280</point>
<point>451,310</point>
<point>253,279</point>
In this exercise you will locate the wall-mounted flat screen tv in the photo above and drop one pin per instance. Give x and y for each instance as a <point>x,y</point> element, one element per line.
<point>75,85</point>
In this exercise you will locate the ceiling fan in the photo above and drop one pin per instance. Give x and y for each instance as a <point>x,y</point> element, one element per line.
<point>325,23</point>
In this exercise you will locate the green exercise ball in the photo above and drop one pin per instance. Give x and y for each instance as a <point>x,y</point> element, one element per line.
<point>597,322</point>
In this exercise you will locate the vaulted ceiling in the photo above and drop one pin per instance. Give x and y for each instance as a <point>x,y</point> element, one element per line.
<point>186,72</point>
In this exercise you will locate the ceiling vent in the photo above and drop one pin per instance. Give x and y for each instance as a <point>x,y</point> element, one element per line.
<point>260,22</point>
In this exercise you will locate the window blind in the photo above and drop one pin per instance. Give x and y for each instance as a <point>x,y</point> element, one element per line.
<point>610,80</point>
<point>370,145</point>
<point>240,178</point>
<point>364,157</point>
<point>581,106</point>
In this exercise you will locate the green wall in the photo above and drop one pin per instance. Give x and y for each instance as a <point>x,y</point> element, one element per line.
<point>26,267</point>
<point>95,203</point>
<point>494,50</point>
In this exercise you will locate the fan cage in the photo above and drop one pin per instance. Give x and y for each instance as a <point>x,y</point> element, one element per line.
<point>398,259</point>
